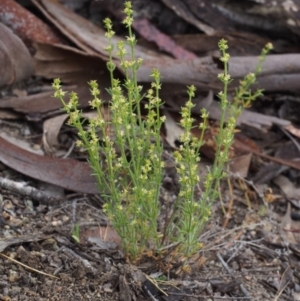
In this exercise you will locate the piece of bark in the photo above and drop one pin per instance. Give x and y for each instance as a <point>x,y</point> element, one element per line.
<point>279,18</point>
<point>253,119</point>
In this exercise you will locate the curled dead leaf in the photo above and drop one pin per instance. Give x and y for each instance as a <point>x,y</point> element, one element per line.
<point>15,59</point>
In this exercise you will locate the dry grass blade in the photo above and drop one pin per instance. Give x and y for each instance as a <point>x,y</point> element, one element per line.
<point>28,267</point>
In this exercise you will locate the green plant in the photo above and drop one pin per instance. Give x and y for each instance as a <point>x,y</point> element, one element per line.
<point>75,233</point>
<point>130,175</point>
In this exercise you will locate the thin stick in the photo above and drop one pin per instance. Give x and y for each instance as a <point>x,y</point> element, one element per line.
<point>23,189</point>
<point>228,269</point>
<point>28,267</point>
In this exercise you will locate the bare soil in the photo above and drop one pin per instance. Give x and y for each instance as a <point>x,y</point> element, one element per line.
<point>245,260</point>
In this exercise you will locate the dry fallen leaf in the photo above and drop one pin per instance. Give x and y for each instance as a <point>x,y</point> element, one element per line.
<point>151,33</point>
<point>21,144</point>
<point>70,65</point>
<point>15,60</point>
<point>67,173</point>
<point>42,105</point>
<point>287,187</point>
<point>173,130</point>
<point>293,130</point>
<point>25,24</point>
<point>288,226</point>
<point>103,237</point>
<point>52,127</point>
<point>240,165</point>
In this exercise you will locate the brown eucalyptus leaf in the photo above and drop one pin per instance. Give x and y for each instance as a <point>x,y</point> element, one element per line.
<point>102,237</point>
<point>33,105</point>
<point>25,24</point>
<point>80,31</point>
<point>52,127</point>
<point>23,144</point>
<point>71,65</point>
<point>163,41</point>
<point>42,105</point>
<point>287,187</point>
<point>67,173</point>
<point>15,60</point>
<point>240,165</point>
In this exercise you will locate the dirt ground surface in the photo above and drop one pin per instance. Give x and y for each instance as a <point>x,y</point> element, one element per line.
<point>247,260</point>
